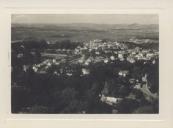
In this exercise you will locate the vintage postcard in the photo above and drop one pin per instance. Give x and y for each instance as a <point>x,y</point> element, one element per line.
<point>91,66</point>
<point>85,63</point>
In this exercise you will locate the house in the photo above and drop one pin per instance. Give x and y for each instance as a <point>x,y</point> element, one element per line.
<point>112,58</point>
<point>120,56</point>
<point>85,71</point>
<point>131,60</point>
<point>123,73</point>
<point>106,60</point>
<point>109,100</point>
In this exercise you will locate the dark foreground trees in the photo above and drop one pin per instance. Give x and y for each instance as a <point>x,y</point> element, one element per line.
<point>34,92</point>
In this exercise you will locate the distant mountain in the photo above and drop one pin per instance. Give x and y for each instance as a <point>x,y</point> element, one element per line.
<point>81,32</point>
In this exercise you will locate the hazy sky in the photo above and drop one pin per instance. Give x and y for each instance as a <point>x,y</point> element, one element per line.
<point>85,18</point>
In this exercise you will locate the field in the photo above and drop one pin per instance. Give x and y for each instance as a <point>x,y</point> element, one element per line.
<point>85,32</point>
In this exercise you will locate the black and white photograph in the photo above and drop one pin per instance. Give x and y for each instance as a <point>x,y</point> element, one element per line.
<point>84,64</point>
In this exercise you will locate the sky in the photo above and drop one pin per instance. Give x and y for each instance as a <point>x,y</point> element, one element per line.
<point>85,18</point>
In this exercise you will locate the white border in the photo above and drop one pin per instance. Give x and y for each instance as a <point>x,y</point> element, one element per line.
<point>88,116</point>
<point>121,120</point>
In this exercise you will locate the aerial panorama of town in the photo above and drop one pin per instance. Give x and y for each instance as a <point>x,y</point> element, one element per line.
<point>85,68</point>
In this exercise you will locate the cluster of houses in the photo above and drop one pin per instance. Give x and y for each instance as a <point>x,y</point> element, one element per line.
<point>97,51</point>
<point>106,52</point>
